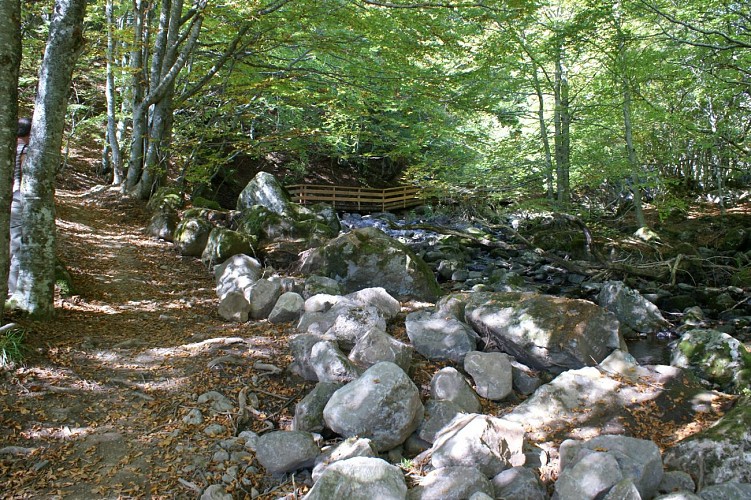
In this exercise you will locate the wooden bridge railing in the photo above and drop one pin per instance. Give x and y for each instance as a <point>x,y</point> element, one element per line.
<point>357,198</point>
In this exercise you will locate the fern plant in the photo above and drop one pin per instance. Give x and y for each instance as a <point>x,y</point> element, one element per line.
<point>12,348</point>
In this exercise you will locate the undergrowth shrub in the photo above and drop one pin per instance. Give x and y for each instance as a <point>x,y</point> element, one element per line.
<point>12,348</point>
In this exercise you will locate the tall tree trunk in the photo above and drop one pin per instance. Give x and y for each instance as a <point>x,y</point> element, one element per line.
<point>171,50</point>
<point>718,160</point>
<point>137,90</point>
<point>114,145</point>
<point>10,61</point>
<point>36,279</point>
<point>163,58</point>
<point>544,134</point>
<point>157,154</point>
<point>622,71</point>
<point>562,121</point>
<point>632,160</point>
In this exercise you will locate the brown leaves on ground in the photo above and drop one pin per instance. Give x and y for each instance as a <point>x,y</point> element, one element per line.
<point>97,409</point>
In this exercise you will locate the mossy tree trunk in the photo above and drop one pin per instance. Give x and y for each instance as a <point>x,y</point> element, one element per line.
<point>36,278</point>
<point>10,60</point>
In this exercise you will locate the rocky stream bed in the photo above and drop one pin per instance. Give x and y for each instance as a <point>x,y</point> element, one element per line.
<point>397,357</point>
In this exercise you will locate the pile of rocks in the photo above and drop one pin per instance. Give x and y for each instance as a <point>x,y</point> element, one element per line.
<point>566,355</point>
<point>365,397</point>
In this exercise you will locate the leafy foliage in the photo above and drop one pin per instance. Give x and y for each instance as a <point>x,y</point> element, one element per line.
<point>12,347</point>
<point>460,96</point>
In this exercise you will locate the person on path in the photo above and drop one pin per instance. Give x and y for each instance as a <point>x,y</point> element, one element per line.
<point>22,145</point>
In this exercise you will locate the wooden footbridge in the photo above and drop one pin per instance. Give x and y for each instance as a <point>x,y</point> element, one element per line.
<point>357,199</point>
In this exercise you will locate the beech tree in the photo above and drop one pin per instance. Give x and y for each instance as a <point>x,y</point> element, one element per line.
<point>548,94</point>
<point>10,62</point>
<point>35,290</point>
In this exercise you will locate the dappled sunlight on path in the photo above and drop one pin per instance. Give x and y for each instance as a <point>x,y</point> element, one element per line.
<point>97,409</point>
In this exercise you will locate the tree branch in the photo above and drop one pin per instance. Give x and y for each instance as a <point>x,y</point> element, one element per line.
<point>732,43</point>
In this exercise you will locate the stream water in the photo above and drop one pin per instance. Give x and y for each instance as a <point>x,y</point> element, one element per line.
<point>649,350</point>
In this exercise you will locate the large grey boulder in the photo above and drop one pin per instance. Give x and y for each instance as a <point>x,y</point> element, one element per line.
<point>589,478</point>
<point>438,337</point>
<point>524,379</point>
<point>262,296</point>
<point>625,489</point>
<point>609,397</point>
<point>344,321</point>
<point>288,308</point>
<point>382,405</point>
<point>556,405</point>
<point>714,356</point>
<point>379,298</point>
<point>223,243</point>
<point>191,236</point>
<point>676,480</point>
<point>330,364</point>
<point>309,411</point>
<point>322,302</point>
<point>360,477</point>
<point>438,414</point>
<point>451,483</point>
<point>450,385</point>
<point>301,347</point>
<point>633,311</point>
<point>376,346</point>
<point>491,372</point>
<point>722,450</point>
<point>236,274</point>
<point>349,448</point>
<point>233,306</point>
<point>637,459</point>
<point>286,451</point>
<point>367,258</point>
<point>542,331</point>
<point>266,191</point>
<point>488,443</point>
<point>351,323</point>
<point>726,491</point>
<point>163,225</point>
<point>519,482</point>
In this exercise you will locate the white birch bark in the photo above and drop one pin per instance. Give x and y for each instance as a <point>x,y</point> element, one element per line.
<point>112,139</point>
<point>36,280</point>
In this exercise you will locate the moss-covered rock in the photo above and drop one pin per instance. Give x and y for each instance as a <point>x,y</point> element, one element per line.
<point>369,258</point>
<point>741,278</point>
<point>165,199</point>
<point>545,332</point>
<point>191,236</point>
<point>714,356</point>
<point>294,224</point>
<point>266,191</point>
<point>282,236</point>
<point>163,225</point>
<point>199,202</point>
<point>720,453</point>
<point>733,239</point>
<point>63,280</point>
<point>223,243</point>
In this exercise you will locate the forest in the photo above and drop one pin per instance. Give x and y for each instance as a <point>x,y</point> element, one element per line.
<point>587,107</point>
<point>563,309</point>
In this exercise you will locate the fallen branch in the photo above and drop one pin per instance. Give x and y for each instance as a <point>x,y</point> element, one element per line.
<point>485,242</point>
<point>189,485</point>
